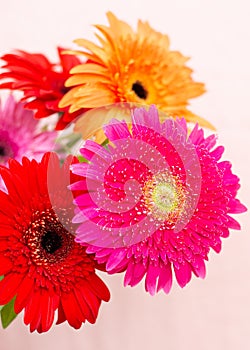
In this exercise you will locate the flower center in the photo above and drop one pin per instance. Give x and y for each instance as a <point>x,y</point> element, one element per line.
<point>164,197</point>
<point>47,239</point>
<point>5,153</point>
<point>51,242</point>
<point>8,148</point>
<point>139,90</point>
<point>2,151</point>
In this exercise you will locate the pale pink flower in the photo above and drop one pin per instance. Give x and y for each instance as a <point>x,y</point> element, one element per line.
<point>20,134</point>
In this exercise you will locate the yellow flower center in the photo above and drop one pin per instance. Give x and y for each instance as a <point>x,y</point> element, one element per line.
<point>164,197</point>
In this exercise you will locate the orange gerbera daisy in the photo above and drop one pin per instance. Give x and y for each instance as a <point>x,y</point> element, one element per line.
<point>135,67</point>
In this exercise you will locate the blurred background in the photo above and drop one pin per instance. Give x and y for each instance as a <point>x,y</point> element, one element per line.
<point>210,314</point>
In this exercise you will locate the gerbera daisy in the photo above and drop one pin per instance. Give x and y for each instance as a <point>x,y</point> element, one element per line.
<point>155,200</point>
<point>41,81</point>
<point>135,67</point>
<point>20,134</point>
<point>43,267</point>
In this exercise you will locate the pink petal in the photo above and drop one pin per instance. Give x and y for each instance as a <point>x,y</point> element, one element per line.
<point>165,279</point>
<point>199,267</point>
<point>151,278</point>
<point>116,130</point>
<point>232,223</point>
<point>217,153</point>
<point>129,274</point>
<point>92,148</point>
<point>141,119</point>
<point>115,259</point>
<point>138,274</point>
<point>182,273</point>
<point>236,206</point>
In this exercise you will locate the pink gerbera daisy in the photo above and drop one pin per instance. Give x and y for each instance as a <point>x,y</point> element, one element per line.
<point>155,200</point>
<point>20,135</point>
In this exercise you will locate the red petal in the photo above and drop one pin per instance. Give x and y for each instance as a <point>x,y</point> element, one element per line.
<point>67,61</point>
<point>5,263</point>
<point>9,286</point>
<point>32,314</point>
<point>99,287</point>
<point>23,294</point>
<point>34,62</point>
<point>86,309</point>
<point>71,310</point>
<point>92,301</point>
<point>61,315</point>
<point>48,305</point>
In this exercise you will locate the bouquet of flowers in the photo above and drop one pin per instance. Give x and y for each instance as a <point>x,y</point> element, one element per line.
<point>125,180</point>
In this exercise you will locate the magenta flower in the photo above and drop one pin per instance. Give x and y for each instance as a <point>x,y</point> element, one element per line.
<point>155,200</point>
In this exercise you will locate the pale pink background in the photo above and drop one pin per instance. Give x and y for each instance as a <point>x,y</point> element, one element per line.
<point>210,314</point>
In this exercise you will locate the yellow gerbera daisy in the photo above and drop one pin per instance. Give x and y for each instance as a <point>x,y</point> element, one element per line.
<point>135,67</point>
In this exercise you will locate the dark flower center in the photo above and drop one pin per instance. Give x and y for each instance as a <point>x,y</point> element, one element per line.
<point>8,147</point>
<point>2,151</point>
<point>139,90</point>
<point>48,240</point>
<point>51,241</point>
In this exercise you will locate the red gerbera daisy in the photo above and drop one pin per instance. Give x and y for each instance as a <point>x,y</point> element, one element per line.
<point>41,81</point>
<point>43,267</point>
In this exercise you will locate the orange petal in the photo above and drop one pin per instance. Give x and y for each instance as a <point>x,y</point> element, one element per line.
<point>89,68</point>
<point>96,50</point>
